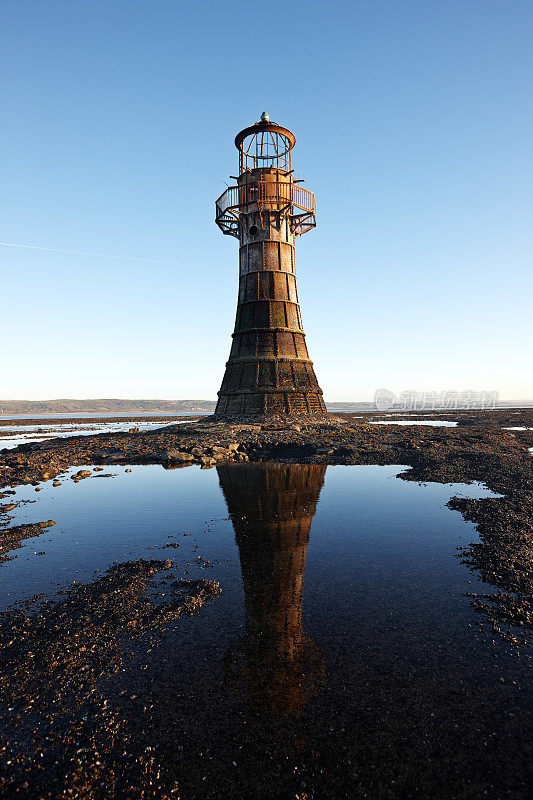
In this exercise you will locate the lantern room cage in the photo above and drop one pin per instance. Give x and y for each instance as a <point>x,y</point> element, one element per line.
<point>265,145</point>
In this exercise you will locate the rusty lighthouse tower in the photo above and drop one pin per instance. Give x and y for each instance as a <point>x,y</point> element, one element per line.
<point>269,371</point>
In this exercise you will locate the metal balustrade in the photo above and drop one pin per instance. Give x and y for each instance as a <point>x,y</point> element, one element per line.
<point>266,195</point>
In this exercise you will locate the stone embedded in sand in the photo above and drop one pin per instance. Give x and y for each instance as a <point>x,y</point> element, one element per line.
<point>177,456</point>
<point>82,473</point>
<point>221,452</point>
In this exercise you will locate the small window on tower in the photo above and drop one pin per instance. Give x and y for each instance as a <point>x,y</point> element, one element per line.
<point>253,230</point>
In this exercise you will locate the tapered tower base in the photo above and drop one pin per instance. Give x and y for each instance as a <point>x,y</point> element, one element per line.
<point>233,406</point>
<point>268,405</point>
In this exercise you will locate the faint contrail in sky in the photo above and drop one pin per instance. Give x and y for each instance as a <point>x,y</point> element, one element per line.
<point>108,255</point>
<point>134,258</point>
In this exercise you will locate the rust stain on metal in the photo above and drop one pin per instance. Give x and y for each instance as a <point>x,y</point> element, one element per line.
<point>269,370</point>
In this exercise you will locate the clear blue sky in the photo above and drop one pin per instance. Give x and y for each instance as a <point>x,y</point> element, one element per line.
<point>413,125</point>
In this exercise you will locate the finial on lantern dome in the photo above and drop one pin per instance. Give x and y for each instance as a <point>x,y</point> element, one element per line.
<point>265,117</point>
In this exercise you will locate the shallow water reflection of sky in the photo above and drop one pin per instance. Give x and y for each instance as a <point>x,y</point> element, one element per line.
<point>436,423</point>
<point>12,436</point>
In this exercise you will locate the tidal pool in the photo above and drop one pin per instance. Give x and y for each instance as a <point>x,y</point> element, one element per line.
<point>435,423</point>
<point>338,657</point>
<point>518,428</point>
<point>12,436</point>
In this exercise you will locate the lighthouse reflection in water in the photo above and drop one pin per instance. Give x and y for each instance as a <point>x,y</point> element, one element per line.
<point>275,668</point>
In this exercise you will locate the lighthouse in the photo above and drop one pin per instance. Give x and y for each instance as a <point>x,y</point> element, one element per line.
<point>269,371</point>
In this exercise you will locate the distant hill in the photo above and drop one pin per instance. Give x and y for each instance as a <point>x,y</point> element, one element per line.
<point>105,406</point>
<point>117,406</point>
<point>342,405</point>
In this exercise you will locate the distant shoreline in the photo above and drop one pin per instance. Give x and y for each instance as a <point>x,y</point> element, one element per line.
<point>106,406</point>
<point>120,407</point>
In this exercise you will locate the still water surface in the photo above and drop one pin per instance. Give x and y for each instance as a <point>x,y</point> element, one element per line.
<point>12,436</point>
<point>341,659</point>
<point>435,423</point>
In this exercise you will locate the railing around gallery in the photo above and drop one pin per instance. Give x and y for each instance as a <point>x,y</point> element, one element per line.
<point>265,193</point>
